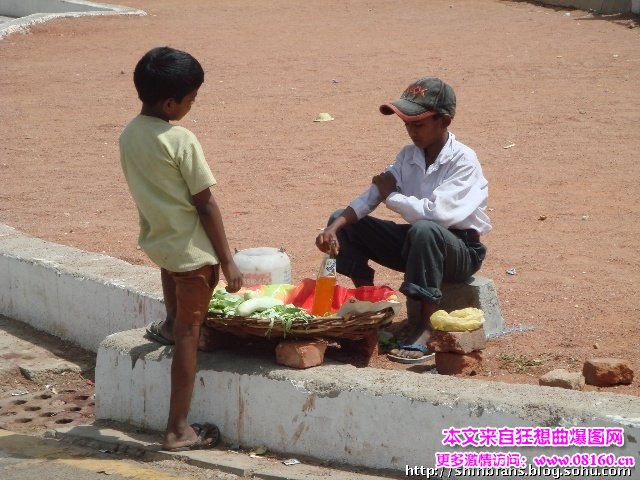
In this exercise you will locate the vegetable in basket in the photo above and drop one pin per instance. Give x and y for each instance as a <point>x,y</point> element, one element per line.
<point>257,304</point>
<point>252,303</point>
<point>224,303</point>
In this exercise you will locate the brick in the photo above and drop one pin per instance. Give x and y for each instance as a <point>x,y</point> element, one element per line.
<point>457,342</point>
<point>458,364</point>
<point>367,346</point>
<point>300,353</point>
<point>607,371</point>
<point>359,353</point>
<point>562,378</point>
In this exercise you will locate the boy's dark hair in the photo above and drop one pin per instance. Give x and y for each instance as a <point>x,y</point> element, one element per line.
<point>165,72</point>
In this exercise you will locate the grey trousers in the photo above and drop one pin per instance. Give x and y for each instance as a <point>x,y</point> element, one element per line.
<point>427,253</point>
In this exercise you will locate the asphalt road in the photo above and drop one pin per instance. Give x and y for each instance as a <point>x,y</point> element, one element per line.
<point>25,457</point>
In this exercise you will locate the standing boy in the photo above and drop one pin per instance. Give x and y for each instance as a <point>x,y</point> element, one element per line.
<point>181,228</point>
<point>437,186</point>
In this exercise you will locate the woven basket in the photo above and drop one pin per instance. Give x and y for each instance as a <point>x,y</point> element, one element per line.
<point>354,327</point>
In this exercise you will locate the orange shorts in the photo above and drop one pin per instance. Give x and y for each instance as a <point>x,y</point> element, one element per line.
<point>187,294</point>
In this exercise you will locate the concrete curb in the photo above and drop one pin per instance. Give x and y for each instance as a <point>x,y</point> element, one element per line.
<point>144,445</point>
<point>604,7</point>
<point>33,12</point>
<point>75,295</point>
<point>380,419</point>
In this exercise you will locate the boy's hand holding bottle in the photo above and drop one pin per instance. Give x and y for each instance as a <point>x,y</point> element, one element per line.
<point>327,242</point>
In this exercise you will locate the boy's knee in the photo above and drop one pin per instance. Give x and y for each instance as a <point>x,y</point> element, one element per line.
<point>335,215</point>
<point>424,229</point>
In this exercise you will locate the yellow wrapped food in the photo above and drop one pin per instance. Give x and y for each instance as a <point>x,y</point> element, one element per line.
<point>465,320</point>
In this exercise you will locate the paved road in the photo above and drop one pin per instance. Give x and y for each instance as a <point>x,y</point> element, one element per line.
<point>26,457</point>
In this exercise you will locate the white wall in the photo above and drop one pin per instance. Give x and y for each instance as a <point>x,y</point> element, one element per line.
<point>22,8</point>
<point>356,416</point>
<point>606,7</point>
<point>78,296</point>
<point>26,13</point>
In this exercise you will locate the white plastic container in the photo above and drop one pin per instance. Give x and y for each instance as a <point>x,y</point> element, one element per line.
<point>263,265</point>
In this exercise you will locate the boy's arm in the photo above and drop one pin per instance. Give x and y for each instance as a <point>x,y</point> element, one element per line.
<point>211,219</point>
<point>382,185</point>
<point>452,201</point>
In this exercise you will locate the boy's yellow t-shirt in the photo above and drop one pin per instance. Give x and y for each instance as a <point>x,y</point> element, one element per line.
<point>165,166</point>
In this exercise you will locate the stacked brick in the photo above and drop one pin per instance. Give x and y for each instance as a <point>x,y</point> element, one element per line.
<point>599,372</point>
<point>458,353</point>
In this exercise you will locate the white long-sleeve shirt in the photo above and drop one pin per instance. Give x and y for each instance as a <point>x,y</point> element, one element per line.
<point>452,192</point>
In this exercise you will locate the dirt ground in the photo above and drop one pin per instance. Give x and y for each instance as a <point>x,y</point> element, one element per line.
<point>547,97</point>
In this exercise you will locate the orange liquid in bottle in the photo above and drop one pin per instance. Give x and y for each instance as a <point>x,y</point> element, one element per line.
<point>323,296</point>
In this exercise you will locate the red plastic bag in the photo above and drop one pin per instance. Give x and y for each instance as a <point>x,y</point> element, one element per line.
<point>302,295</point>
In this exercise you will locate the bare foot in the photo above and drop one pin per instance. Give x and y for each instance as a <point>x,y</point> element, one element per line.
<point>195,437</point>
<point>419,330</point>
<point>179,439</point>
<point>420,337</point>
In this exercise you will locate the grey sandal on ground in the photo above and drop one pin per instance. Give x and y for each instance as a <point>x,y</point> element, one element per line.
<point>154,332</point>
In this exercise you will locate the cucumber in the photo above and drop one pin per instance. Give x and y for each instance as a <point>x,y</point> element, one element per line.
<point>249,294</point>
<point>257,304</point>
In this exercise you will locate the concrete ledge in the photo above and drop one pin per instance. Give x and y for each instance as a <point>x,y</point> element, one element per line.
<point>478,292</point>
<point>31,12</point>
<point>606,7</point>
<point>83,297</point>
<point>360,417</point>
<point>75,295</point>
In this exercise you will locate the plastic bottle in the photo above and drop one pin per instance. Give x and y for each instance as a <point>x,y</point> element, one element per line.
<point>263,265</point>
<point>325,283</point>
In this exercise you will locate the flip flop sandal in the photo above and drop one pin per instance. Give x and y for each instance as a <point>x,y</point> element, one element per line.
<point>204,431</point>
<point>154,332</point>
<point>426,354</point>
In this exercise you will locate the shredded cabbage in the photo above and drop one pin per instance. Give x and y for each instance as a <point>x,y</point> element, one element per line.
<point>226,304</point>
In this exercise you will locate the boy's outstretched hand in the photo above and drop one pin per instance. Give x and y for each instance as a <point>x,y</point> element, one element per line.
<point>386,183</point>
<point>232,275</point>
